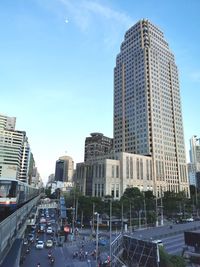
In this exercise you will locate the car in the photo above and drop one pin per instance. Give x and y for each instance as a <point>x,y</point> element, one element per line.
<point>31,237</point>
<point>41,228</point>
<point>189,220</point>
<point>49,243</point>
<point>25,241</point>
<point>49,230</point>
<point>40,244</point>
<point>43,220</point>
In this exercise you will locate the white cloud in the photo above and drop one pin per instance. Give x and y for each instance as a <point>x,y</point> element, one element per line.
<point>86,12</point>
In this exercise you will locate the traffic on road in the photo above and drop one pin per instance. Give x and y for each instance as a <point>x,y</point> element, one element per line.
<point>43,245</point>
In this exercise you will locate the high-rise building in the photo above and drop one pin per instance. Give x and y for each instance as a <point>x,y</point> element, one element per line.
<point>97,145</point>
<point>192,174</point>
<point>14,150</point>
<point>64,169</point>
<point>195,151</point>
<point>147,106</point>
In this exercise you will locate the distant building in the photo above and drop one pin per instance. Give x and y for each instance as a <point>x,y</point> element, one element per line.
<point>195,151</point>
<point>97,145</point>
<point>194,165</point>
<point>14,150</point>
<point>111,175</point>
<point>64,169</point>
<point>51,178</point>
<point>192,173</point>
<point>36,179</point>
<point>198,180</point>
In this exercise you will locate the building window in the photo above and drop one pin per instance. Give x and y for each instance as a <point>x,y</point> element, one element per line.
<point>99,190</point>
<point>95,190</point>
<point>147,169</point>
<point>141,168</point>
<point>117,171</point>
<point>103,170</point>
<point>102,190</point>
<point>137,169</point>
<point>113,171</point>
<point>113,190</point>
<point>117,190</point>
<point>131,168</point>
<point>127,167</point>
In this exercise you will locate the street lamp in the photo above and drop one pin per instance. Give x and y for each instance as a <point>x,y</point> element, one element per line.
<point>130,213</point>
<point>110,229</point>
<point>97,238</point>
<point>145,212</point>
<point>140,211</point>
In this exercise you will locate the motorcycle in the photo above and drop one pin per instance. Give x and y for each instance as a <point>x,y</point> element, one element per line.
<point>51,261</point>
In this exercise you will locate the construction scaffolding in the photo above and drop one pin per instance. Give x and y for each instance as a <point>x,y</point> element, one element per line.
<point>131,252</point>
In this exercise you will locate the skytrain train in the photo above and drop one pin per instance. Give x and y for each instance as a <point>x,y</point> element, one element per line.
<point>14,193</point>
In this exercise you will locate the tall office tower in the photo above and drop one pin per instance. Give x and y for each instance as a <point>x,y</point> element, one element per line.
<point>14,150</point>
<point>64,169</point>
<point>195,151</point>
<point>147,106</point>
<point>97,145</point>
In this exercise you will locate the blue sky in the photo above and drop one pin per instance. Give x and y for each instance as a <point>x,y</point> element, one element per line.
<point>56,67</point>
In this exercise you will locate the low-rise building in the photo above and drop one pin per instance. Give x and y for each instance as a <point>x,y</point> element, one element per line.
<point>111,175</point>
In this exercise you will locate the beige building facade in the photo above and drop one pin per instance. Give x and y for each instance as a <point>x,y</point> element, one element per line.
<point>111,176</point>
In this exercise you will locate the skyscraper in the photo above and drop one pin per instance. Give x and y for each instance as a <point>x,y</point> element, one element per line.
<point>147,106</point>
<point>14,150</point>
<point>97,145</point>
<point>64,169</point>
<point>195,151</point>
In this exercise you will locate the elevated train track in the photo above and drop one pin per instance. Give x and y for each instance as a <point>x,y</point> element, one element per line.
<point>13,227</point>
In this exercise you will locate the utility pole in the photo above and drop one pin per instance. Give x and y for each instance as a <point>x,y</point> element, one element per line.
<point>110,230</point>
<point>97,238</point>
<point>196,198</point>
<point>161,204</point>
<point>130,218</point>
<point>76,210</point>
<point>145,212</point>
<point>122,224</point>
<point>156,211</point>
<point>81,219</point>
<point>93,212</point>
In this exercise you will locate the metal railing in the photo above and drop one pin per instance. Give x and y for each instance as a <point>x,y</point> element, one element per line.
<point>14,226</point>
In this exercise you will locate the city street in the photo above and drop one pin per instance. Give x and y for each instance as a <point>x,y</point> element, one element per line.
<point>79,252</point>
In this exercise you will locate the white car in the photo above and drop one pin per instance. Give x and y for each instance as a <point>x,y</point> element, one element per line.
<point>49,230</point>
<point>49,243</point>
<point>40,244</point>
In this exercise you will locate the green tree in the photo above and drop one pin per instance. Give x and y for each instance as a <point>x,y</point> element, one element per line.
<point>164,258</point>
<point>177,261</point>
